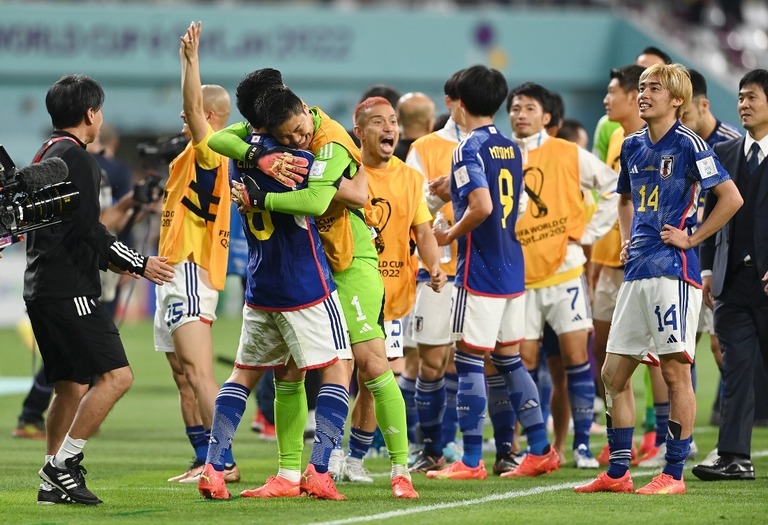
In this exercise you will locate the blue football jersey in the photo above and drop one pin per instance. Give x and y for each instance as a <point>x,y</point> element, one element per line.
<point>287,268</point>
<point>722,132</point>
<point>490,258</point>
<point>237,261</point>
<point>665,180</point>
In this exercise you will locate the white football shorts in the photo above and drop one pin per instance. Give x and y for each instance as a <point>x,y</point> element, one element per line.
<point>431,316</point>
<point>606,290</point>
<point>565,307</point>
<point>654,317</point>
<point>395,341</point>
<point>315,336</point>
<point>482,322</point>
<point>188,297</point>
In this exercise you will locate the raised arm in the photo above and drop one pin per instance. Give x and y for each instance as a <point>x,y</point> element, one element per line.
<point>191,87</point>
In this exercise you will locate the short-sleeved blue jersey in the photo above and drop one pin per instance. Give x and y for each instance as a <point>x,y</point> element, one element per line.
<point>721,133</point>
<point>490,258</point>
<point>287,267</point>
<point>665,180</point>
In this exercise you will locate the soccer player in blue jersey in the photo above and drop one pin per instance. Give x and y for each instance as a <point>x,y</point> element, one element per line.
<point>663,169</point>
<point>489,299</point>
<point>337,203</point>
<point>292,322</point>
<point>698,117</point>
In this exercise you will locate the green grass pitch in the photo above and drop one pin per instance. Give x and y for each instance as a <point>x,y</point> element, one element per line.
<point>142,443</point>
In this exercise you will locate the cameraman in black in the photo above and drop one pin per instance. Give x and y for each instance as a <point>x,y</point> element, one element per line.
<point>119,211</point>
<point>76,337</point>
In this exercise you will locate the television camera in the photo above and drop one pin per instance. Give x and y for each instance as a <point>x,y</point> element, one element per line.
<point>33,197</point>
<point>155,159</point>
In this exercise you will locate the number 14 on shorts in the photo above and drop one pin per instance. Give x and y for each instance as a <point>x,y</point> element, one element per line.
<point>668,318</point>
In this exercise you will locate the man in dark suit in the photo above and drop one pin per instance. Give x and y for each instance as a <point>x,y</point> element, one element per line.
<point>737,262</point>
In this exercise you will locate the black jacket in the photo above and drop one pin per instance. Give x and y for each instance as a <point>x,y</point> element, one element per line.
<point>715,249</point>
<point>63,260</point>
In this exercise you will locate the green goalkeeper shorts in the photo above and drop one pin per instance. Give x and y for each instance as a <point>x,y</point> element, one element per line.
<point>361,293</point>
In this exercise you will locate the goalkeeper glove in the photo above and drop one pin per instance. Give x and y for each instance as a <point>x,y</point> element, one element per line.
<point>279,164</point>
<point>255,195</point>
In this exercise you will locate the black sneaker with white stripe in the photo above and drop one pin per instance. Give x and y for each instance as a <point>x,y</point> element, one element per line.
<point>50,495</point>
<point>70,480</point>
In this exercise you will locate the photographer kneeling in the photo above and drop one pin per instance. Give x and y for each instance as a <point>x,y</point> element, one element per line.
<point>77,338</point>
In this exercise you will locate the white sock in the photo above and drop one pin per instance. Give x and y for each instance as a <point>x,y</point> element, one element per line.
<point>294,476</point>
<point>48,457</point>
<point>69,448</point>
<point>311,422</point>
<point>400,470</point>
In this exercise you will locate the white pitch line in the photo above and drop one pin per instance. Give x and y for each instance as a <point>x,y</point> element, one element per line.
<point>441,506</point>
<point>427,508</point>
<point>494,497</point>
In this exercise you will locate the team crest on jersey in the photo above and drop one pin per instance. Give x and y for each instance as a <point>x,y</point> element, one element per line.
<point>667,163</point>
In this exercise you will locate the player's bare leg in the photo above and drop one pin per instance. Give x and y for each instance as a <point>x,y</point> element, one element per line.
<point>193,346</point>
<point>190,415</point>
<point>620,423</point>
<point>676,370</point>
<point>653,445</point>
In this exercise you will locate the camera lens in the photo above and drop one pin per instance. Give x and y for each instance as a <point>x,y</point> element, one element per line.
<point>53,201</point>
